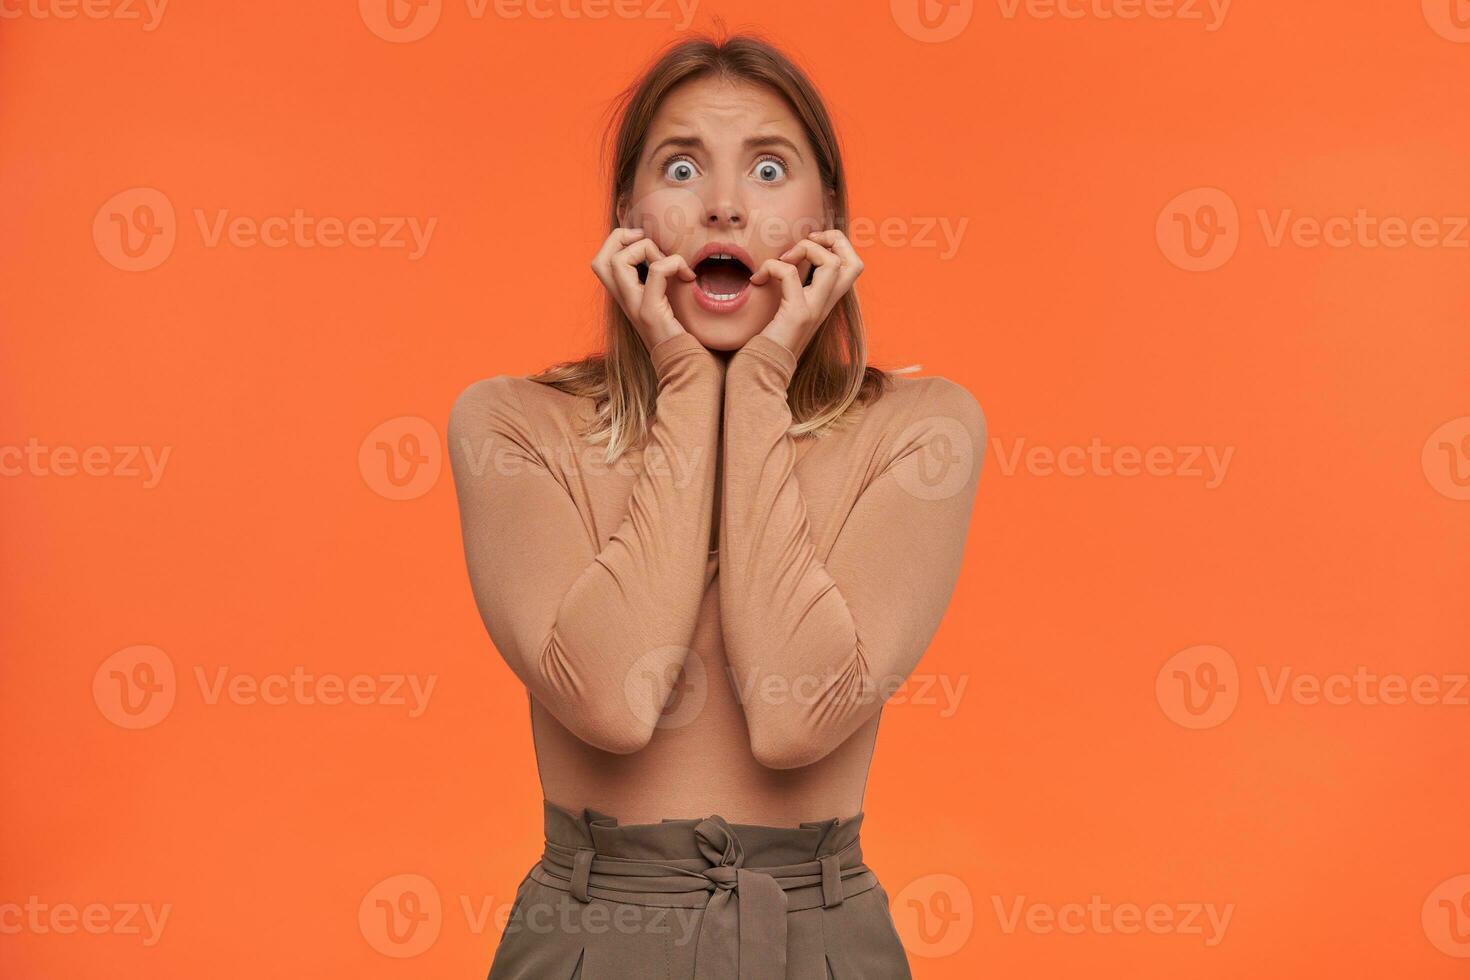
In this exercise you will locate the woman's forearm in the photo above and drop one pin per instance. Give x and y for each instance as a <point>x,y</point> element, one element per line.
<point>816,643</point>
<point>596,634</point>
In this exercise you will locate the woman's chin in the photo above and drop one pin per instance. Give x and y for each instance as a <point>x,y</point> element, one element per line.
<point>721,337</point>
<point>721,331</point>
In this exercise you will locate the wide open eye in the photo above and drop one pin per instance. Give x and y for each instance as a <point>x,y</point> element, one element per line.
<point>680,169</point>
<point>770,169</point>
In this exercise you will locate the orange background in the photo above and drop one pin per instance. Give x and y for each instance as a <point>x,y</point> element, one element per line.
<point>1335,540</point>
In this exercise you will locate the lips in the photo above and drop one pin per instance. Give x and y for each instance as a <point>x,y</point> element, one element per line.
<point>723,272</point>
<point>722,277</point>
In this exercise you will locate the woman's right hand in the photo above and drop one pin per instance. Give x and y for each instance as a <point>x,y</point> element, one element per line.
<point>645,303</point>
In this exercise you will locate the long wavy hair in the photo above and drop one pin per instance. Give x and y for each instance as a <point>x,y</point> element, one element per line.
<point>832,374</point>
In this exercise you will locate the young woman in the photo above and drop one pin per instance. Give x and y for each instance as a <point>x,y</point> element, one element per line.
<point>712,551</point>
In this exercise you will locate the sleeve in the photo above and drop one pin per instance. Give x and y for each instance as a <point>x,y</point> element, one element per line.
<point>597,636</point>
<point>817,646</point>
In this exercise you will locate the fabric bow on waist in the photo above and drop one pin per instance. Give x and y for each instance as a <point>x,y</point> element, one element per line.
<point>745,920</point>
<point>742,934</point>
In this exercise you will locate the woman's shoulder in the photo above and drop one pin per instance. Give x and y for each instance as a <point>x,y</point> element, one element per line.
<point>512,398</point>
<point>930,402</point>
<point>934,419</point>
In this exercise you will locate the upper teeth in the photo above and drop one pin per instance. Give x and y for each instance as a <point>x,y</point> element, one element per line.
<point>722,296</point>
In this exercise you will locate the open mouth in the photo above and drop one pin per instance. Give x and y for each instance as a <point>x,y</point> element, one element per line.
<point>722,281</point>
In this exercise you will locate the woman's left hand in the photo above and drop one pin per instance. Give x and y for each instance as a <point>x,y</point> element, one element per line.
<point>803,308</point>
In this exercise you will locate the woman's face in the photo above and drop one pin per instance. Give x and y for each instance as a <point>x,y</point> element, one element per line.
<point>726,169</point>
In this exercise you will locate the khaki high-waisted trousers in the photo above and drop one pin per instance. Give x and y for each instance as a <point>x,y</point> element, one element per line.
<point>699,900</point>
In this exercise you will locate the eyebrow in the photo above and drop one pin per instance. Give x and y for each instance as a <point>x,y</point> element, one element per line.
<point>751,143</point>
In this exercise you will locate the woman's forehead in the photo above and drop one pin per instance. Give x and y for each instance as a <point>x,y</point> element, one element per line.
<point>714,103</point>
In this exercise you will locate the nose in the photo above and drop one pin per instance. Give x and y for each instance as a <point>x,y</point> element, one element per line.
<point>724,214</point>
<point>724,208</point>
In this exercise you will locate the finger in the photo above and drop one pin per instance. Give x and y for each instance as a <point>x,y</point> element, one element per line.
<point>675,264</point>
<point>625,270</point>
<point>826,269</point>
<point>789,278</point>
<point>839,243</point>
<point>851,267</point>
<point>655,290</point>
<point>614,243</point>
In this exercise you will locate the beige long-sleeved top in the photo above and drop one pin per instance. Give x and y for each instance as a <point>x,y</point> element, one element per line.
<point>712,623</point>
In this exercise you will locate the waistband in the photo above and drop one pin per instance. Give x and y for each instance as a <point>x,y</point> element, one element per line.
<point>746,877</point>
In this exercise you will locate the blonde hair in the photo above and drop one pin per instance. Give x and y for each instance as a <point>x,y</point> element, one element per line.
<point>832,374</point>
